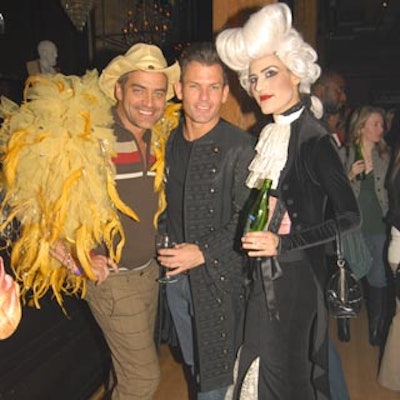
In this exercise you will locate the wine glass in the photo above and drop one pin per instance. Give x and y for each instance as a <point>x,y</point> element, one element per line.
<point>163,241</point>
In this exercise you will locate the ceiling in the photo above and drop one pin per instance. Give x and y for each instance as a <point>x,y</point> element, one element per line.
<point>350,19</point>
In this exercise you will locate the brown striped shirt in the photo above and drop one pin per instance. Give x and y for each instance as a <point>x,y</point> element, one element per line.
<point>135,185</point>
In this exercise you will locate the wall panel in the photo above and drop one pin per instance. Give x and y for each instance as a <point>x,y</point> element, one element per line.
<point>239,109</point>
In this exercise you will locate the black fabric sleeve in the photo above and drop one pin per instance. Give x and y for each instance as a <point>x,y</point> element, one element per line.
<point>326,169</point>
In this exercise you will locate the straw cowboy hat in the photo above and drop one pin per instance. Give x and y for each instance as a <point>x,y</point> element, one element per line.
<point>143,57</point>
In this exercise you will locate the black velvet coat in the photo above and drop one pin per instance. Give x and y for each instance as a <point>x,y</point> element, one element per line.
<point>314,175</point>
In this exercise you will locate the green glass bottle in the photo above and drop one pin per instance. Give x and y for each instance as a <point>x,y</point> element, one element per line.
<point>358,155</point>
<point>258,213</point>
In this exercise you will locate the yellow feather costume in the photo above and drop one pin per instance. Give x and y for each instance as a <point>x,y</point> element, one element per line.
<point>58,179</point>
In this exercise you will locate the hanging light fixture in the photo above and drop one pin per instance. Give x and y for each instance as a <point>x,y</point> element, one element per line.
<point>147,21</point>
<point>78,11</point>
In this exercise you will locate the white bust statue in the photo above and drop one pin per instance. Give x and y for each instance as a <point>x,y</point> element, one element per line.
<point>48,56</point>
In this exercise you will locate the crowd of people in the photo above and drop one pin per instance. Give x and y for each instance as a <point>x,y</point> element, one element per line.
<point>248,307</point>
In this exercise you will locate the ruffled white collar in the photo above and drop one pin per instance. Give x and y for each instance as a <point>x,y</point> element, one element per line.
<point>271,151</point>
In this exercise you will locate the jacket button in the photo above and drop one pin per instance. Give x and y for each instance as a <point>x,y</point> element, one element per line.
<point>218,300</point>
<point>216,149</point>
<point>223,335</point>
<point>298,227</point>
<point>206,245</point>
<point>212,229</point>
<point>222,278</point>
<point>285,186</point>
<point>214,171</point>
<point>222,317</point>
<point>212,190</point>
<point>215,261</point>
<point>289,202</point>
<point>294,215</point>
<point>211,211</point>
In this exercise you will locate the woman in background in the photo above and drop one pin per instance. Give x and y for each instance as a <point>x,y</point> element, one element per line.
<point>367,176</point>
<point>284,353</point>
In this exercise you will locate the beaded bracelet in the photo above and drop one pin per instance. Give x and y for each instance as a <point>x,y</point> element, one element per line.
<point>68,264</point>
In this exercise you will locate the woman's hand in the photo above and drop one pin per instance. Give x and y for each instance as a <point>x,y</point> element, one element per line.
<point>100,264</point>
<point>260,244</point>
<point>61,253</point>
<point>356,168</point>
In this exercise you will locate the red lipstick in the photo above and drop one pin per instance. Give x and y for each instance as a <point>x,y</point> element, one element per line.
<point>265,97</point>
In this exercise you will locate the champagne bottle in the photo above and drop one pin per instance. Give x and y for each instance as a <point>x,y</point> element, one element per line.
<point>258,213</point>
<point>358,155</point>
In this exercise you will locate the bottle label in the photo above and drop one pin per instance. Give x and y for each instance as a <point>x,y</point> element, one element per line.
<point>258,213</point>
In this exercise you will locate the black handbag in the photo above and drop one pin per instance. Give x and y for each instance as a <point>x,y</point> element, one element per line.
<point>344,295</point>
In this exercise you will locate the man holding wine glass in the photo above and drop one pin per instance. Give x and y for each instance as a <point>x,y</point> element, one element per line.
<point>206,166</point>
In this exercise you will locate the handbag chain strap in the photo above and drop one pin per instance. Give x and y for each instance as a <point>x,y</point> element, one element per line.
<point>340,262</point>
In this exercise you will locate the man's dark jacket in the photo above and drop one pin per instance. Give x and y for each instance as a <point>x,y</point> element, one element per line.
<point>214,196</point>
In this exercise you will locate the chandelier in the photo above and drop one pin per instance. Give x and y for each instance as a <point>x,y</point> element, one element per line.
<point>78,11</point>
<point>148,22</point>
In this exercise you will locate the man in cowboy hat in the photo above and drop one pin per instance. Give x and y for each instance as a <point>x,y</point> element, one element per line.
<point>124,297</point>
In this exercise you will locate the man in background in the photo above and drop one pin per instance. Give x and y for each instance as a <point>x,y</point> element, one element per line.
<point>331,90</point>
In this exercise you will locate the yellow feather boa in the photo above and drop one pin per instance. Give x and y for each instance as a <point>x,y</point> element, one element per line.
<point>58,179</point>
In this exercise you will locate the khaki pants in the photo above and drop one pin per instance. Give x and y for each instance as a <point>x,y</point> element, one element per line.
<point>125,307</point>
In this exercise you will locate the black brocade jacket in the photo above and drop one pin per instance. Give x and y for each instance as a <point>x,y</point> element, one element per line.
<point>312,177</point>
<point>214,196</point>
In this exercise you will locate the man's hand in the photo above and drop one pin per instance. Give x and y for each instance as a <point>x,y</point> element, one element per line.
<point>101,267</point>
<point>180,258</point>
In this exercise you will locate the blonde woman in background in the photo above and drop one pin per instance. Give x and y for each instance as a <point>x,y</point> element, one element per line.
<point>367,176</point>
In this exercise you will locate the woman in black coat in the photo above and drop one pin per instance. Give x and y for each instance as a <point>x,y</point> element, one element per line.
<point>284,354</point>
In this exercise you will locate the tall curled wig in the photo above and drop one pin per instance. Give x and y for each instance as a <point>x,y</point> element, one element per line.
<point>269,31</point>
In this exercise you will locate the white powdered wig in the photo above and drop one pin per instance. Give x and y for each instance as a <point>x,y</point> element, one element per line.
<point>269,31</point>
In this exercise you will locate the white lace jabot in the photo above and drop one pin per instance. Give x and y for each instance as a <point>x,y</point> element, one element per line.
<point>271,151</point>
